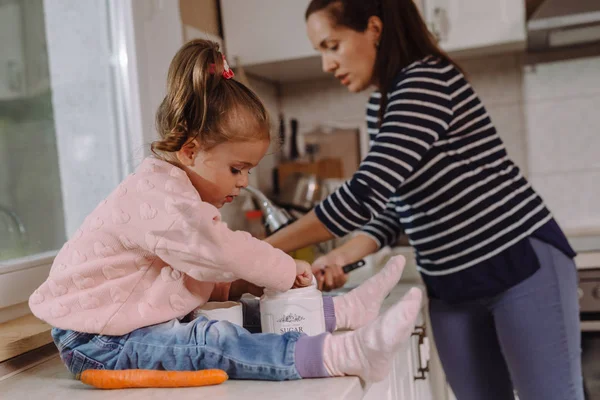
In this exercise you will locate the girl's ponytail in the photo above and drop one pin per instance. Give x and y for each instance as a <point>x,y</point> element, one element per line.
<point>204,103</point>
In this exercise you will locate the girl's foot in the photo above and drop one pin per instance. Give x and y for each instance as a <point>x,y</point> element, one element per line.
<point>368,352</point>
<point>361,306</point>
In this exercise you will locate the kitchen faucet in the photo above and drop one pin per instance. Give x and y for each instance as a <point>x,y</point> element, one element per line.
<point>17,224</point>
<point>275,217</point>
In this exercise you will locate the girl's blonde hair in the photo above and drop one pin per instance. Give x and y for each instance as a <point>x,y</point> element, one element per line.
<point>201,104</point>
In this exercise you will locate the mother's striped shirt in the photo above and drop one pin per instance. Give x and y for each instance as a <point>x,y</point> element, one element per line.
<point>438,171</point>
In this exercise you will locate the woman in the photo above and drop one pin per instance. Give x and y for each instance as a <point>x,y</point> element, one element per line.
<point>499,271</point>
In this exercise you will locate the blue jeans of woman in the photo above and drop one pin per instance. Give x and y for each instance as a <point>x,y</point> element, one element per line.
<point>527,338</point>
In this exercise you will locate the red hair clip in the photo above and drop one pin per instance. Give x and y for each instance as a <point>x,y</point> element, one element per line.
<point>227,72</point>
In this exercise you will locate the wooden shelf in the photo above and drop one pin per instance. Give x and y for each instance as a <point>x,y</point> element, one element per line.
<point>21,335</point>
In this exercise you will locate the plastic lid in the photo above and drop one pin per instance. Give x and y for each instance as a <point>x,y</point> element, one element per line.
<point>254,214</point>
<point>304,292</point>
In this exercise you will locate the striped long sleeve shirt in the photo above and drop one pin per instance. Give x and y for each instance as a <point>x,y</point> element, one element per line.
<point>438,171</point>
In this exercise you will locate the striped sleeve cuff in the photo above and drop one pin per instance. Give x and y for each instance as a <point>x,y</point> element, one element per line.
<point>342,212</point>
<point>373,237</point>
<point>330,224</point>
<point>382,238</point>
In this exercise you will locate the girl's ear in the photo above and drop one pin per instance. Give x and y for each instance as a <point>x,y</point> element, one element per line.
<point>188,153</point>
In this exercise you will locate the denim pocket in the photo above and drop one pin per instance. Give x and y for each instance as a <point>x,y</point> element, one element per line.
<point>80,362</point>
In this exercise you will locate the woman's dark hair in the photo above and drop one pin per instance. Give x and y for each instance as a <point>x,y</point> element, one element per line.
<point>404,39</point>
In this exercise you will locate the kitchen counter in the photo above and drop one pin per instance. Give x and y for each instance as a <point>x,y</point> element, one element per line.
<point>51,380</point>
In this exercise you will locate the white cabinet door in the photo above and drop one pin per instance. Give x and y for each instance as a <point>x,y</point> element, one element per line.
<point>423,390</point>
<point>399,385</point>
<point>263,31</point>
<point>410,376</point>
<point>404,370</point>
<point>383,390</point>
<point>12,70</point>
<point>471,24</point>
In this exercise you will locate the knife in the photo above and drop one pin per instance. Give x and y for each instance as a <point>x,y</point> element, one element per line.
<point>353,266</point>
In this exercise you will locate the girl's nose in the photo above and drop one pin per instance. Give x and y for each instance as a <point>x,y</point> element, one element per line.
<point>242,182</point>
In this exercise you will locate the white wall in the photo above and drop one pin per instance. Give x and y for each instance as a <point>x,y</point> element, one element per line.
<point>562,105</point>
<point>158,35</point>
<point>320,101</point>
<point>268,94</point>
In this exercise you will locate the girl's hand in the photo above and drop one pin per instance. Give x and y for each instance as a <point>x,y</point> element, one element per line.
<point>328,271</point>
<point>304,275</point>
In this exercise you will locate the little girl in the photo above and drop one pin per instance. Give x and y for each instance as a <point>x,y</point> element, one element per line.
<point>155,249</point>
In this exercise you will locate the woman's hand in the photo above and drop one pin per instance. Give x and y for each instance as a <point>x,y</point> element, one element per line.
<point>304,275</point>
<point>328,268</point>
<point>328,271</point>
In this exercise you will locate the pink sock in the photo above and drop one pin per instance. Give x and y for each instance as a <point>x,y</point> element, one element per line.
<point>361,305</point>
<point>368,352</point>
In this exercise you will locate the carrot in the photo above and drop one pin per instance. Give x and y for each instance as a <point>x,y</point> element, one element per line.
<point>145,378</point>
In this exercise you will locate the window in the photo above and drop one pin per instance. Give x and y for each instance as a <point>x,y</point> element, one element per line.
<point>63,128</point>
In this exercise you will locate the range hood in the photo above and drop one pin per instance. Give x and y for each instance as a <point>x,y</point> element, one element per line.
<point>564,23</point>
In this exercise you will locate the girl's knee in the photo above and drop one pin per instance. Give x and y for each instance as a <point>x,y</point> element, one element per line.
<point>224,327</point>
<point>205,327</point>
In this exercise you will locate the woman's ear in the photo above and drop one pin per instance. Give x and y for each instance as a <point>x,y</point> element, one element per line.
<point>374,29</point>
<point>188,153</point>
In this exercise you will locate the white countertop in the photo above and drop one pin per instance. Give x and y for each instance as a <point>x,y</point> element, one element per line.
<point>51,380</point>
<point>588,260</point>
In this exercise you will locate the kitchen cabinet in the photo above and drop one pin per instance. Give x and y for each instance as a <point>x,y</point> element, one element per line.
<point>476,26</point>
<point>265,31</point>
<point>24,57</point>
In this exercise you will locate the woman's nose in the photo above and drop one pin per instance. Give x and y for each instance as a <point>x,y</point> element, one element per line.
<point>328,64</point>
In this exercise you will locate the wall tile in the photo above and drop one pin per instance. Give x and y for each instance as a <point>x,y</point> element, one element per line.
<point>563,135</point>
<point>267,92</point>
<point>496,79</point>
<point>570,78</point>
<point>323,101</point>
<point>572,197</point>
<point>311,103</point>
